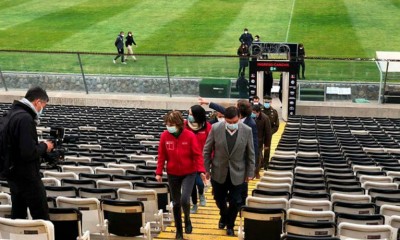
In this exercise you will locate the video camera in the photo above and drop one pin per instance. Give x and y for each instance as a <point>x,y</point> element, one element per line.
<point>57,135</point>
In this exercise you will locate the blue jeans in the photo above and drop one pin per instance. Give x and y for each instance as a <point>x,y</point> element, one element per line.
<point>200,187</point>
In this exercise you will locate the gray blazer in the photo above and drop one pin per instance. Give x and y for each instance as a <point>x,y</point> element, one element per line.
<point>217,158</point>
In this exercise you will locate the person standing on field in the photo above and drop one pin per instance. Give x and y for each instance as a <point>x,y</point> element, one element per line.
<point>119,44</point>
<point>128,44</point>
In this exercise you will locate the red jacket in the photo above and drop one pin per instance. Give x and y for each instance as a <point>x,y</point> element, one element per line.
<point>183,154</point>
<point>201,135</point>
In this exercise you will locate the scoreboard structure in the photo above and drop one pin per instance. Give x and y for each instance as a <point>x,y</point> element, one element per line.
<point>275,57</point>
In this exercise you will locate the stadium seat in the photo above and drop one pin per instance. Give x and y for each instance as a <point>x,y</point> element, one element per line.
<point>125,218</point>
<point>373,219</point>
<point>26,229</point>
<point>359,231</point>
<point>310,216</point>
<point>67,224</point>
<point>259,202</point>
<point>92,217</point>
<point>153,213</point>
<point>321,205</point>
<point>257,223</point>
<point>312,229</point>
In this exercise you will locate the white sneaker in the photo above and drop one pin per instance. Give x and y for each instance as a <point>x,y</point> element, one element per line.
<point>114,61</point>
<point>123,62</point>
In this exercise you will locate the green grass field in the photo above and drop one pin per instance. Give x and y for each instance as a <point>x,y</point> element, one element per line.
<point>330,28</point>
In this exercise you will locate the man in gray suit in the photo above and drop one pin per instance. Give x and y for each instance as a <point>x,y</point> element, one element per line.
<point>229,159</point>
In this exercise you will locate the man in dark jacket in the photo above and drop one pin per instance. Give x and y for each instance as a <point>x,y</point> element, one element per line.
<point>246,37</point>
<point>119,44</point>
<point>264,137</point>
<point>27,189</point>
<point>273,119</point>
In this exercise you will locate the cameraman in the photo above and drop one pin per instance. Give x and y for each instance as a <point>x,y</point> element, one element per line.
<point>27,189</point>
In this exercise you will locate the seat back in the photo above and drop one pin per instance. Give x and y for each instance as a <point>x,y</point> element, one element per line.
<point>270,194</point>
<point>316,229</point>
<point>26,229</point>
<point>273,186</point>
<point>92,217</point>
<point>163,193</point>
<point>77,169</point>
<point>114,184</point>
<point>66,191</point>
<point>86,183</point>
<point>374,219</point>
<point>310,216</point>
<point>340,197</point>
<point>354,208</point>
<point>358,231</point>
<point>67,223</point>
<point>77,159</point>
<point>51,181</point>
<point>5,211</point>
<point>5,198</point>
<point>60,175</point>
<point>148,197</point>
<point>99,193</point>
<point>125,218</point>
<point>320,205</point>
<point>260,222</point>
<point>259,202</point>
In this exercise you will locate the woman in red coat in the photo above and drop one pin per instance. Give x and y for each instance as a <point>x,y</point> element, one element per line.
<point>180,149</point>
<point>197,123</point>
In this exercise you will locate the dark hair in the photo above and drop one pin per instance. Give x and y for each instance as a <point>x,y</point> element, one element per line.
<point>174,117</point>
<point>245,29</point>
<point>35,93</point>
<point>231,112</point>
<point>257,108</point>
<point>198,113</point>
<point>256,97</point>
<point>244,108</point>
<point>266,97</point>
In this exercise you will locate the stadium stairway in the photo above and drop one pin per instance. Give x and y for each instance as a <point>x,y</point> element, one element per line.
<point>205,221</point>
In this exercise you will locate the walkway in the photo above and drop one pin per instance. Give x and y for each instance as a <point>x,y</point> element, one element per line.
<point>205,222</point>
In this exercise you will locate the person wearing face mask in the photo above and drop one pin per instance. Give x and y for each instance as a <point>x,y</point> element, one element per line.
<point>196,122</point>
<point>180,150</point>
<point>272,114</point>
<point>246,37</point>
<point>128,44</point>
<point>229,161</point>
<point>25,151</point>
<point>119,44</point>
<point>264,136</point>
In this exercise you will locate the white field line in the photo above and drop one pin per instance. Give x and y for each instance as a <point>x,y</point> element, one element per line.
<point>290,21</point>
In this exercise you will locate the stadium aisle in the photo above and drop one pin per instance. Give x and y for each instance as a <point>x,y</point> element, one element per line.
<point>205,222</point>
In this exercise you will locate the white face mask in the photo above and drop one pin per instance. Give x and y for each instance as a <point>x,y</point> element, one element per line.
<point>245,32</point>
<point>221,119</point>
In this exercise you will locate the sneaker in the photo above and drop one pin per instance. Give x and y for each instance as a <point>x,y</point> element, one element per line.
<point>194,209</point>
<point>114,61</point>
<point>203,200</point>
<point>123,62</point>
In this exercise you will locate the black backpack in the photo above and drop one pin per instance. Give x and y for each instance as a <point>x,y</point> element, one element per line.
<point>5,146</point>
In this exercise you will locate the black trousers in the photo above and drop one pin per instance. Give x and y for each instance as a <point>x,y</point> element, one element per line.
<point>28,194</point>
<point>120,54</point>
<point>229,191</point>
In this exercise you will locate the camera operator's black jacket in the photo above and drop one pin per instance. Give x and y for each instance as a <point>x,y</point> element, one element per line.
<point>26,150</point>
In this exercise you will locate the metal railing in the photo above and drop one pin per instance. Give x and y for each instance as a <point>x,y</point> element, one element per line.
<point>164,74</point>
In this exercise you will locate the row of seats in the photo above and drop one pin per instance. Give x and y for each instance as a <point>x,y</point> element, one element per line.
<point>97,217</point>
